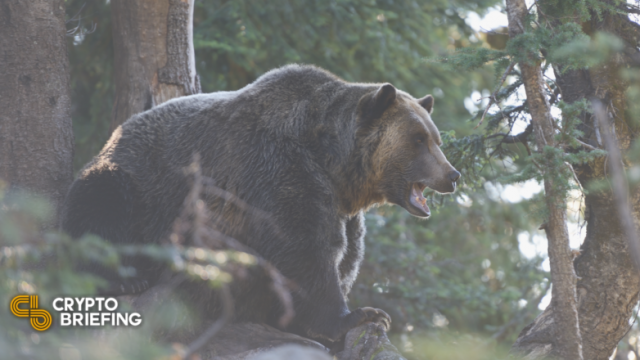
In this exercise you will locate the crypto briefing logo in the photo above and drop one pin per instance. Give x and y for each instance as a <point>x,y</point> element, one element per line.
<point>74,311</point>
<point>40,319</point>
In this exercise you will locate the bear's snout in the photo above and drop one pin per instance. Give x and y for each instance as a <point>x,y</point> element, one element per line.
<point>446,182</point>
<point>454,176</point>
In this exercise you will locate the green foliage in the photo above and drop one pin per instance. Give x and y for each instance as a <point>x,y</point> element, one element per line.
<point>580,10</point>
<point>471,58</point>
<point>584,52</point>
<point>359,40</point>
<point>356,39</point>
<point>525,48</point>
<point>559,44</point>
<point>237,41</point>
<point>466,153</point>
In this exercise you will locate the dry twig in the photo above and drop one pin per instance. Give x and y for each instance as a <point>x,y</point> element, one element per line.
<point>227,314</point>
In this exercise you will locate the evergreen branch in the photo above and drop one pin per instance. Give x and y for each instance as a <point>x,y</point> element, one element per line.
<point>582,143</point>
<point>492,98</point>
<point>513,139</point>
<point>539,8</point>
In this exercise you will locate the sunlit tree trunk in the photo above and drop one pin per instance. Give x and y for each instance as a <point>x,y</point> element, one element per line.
<point>154,56</point>
<point>608,282</point>
<point>568,343</point>
<point>36,137</point>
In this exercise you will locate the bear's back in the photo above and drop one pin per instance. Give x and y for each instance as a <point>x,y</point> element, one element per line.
<point>283,103</point>
<point>286,128</point>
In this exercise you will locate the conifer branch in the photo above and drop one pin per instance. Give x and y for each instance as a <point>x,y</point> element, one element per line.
<point>513,139</point>
<point>492,98</point>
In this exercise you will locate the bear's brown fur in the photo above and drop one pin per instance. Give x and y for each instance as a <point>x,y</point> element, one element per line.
<point>307,148</point>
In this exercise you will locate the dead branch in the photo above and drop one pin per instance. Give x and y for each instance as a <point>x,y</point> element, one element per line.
<point>585,145</point>
<point>227,314</point>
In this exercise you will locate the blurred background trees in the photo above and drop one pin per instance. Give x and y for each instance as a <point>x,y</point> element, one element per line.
<point>477,270</point>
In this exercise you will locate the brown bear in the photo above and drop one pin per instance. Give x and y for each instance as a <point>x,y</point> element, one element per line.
<point>303,146</point>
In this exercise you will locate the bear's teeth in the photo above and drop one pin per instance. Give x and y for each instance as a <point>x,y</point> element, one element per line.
<point>418,200</point>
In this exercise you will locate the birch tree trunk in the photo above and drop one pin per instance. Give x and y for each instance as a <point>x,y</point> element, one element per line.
<point>154,56</point>
<point>36,137</point>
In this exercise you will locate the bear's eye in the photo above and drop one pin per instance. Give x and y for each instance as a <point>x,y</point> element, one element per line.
<point>420,139</point>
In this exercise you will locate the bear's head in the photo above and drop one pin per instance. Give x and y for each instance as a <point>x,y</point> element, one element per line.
<point>403,146</point>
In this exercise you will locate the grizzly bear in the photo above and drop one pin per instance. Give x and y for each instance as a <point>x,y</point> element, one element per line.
<point>301,145</point>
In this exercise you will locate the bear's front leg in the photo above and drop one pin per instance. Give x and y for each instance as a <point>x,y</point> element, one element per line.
<point>309,249</point>
<point>321,309</point>
<point>334,329</point>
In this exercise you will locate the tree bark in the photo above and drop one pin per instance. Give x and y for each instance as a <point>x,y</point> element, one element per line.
<point>36,137</point>
<point>608,283</point>
<point>568,342</point>
<point>154,56</point>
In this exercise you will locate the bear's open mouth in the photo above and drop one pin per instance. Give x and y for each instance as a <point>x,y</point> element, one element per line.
<point>417,199</point>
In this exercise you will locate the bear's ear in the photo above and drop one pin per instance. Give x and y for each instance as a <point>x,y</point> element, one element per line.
<point>383,98</point>
<point>427,103</point>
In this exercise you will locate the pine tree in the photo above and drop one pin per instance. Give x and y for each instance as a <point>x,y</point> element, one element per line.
<point>568,55</point>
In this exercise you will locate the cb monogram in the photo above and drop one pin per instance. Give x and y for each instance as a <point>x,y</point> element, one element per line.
<point>40,318</point>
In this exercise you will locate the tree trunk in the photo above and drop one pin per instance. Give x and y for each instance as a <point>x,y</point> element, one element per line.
<point>36,137</point>
<point>608,283</point>
<point>568,343</point>
<point>154,57</point>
